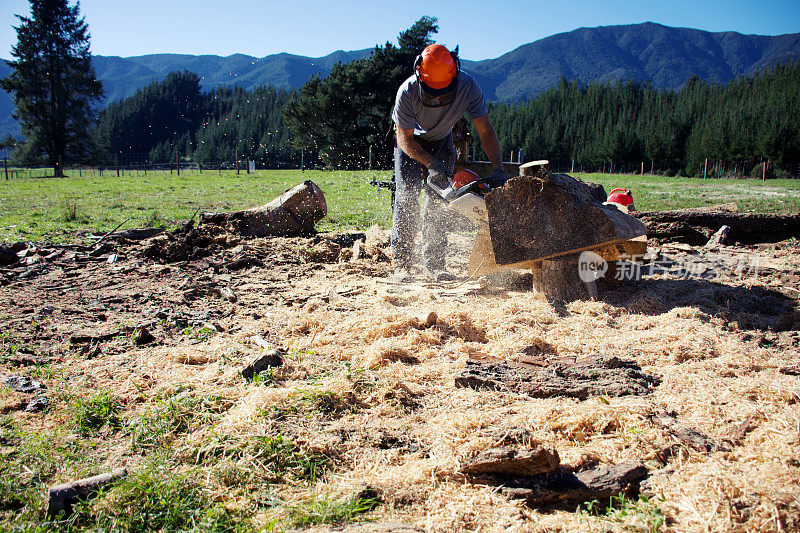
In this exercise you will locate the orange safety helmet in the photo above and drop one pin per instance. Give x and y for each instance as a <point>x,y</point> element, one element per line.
<point>436,69</point>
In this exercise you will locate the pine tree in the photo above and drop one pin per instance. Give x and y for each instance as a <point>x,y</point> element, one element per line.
<point>54,83</point>
<point>349,110</point>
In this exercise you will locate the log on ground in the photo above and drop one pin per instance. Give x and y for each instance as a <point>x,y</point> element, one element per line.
<point>61,498</point>
<point>685,434</point>
<point>696,227</point>
<point>512,462</point>
<point>292,214</point>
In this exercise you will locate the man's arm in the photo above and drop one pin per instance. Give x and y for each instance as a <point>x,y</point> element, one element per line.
<point>489,141</point>
<point>407,143</point>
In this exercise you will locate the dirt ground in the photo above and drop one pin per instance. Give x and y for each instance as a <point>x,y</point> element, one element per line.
<point>719,328</point>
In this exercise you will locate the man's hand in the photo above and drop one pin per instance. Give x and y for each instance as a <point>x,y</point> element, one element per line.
<point>497,179</point>
<point>438,174</point>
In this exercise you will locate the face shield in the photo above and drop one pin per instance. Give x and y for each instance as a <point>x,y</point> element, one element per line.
<point>431,97</point>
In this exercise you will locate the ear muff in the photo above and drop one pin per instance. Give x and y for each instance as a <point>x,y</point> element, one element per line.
<point>456,60</point>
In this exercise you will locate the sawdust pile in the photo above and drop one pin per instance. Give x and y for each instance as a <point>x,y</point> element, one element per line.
<point>368,382</point>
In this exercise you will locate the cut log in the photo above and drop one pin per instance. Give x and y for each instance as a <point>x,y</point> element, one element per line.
<point>565,489</point>
<point>540,215</point>
<point>697,227</point>
<point>548,376</point>
<point>291,214</point>
<point>62,497</point>
<point>482,263</point>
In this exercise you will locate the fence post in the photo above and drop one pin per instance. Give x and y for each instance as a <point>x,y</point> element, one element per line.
<point>705,168</point>
<point>237,163</point>
<point>5,165</point>
<point>370,158</point>
<point>764,171</point>
<point>302,161</point>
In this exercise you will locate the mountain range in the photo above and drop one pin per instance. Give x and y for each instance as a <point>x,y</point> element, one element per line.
<point>664,55</point>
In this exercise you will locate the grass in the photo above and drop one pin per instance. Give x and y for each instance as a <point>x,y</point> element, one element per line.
<point>95,412</point>
<point>55,208</point>
<point>9,344</point>
<point>328,509</point>
<point>171,418</point>
<point>156,498</point>
<point>312,403</point>
<point>660,192</point>
<point>270,459</point>
<point>38,460</point>
<point>642,514</point>
<point>165,492</point>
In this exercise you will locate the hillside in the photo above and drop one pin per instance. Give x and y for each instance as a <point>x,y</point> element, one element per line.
<point>667,56</point>
<point>121,76</point>
<point>664,55</point>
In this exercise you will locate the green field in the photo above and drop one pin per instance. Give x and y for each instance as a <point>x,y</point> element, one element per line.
<point>56,210</point>
<point>659,192</point>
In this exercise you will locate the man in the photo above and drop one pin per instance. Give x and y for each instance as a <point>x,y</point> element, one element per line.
<point>428,105</point>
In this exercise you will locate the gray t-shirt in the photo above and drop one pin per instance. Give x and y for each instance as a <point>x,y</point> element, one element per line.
<point>436,123</point>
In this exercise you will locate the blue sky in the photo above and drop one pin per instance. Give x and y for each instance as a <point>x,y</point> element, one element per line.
<point>484,29</point>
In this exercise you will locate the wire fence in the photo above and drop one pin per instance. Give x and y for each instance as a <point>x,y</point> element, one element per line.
<point>127,169</point>
<point>709,169</point>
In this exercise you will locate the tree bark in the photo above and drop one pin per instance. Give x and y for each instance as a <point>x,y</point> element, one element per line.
<point>547,376</point>
<point>62,497</point>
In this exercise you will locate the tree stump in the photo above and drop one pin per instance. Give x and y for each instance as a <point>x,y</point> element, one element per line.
<point>543,222</point>
<point>540,215</point>
<point>558,279</point>
<point>292,214</point>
